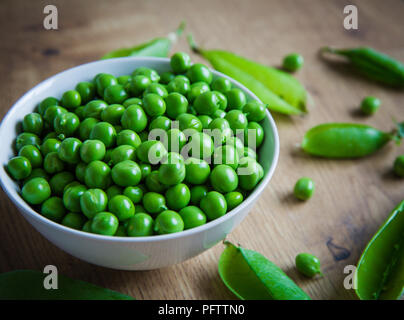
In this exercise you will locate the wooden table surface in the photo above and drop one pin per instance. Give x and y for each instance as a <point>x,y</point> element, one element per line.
<point>352,197</point>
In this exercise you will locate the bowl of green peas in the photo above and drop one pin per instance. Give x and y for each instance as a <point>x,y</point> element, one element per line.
<point>137,163</point>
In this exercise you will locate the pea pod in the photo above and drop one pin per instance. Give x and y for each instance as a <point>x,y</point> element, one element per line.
<point>374,65</point>
<point>346,140</point>
<point>282,92</point>
<point>251,276</point>
<point>380,270</point>
<point>28,285</point>
<point>158,47</point>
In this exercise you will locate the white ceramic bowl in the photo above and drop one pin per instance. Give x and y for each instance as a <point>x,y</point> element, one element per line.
<point>124,252</point>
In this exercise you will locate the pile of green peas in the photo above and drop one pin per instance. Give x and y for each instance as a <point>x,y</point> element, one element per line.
<point>84,160</point>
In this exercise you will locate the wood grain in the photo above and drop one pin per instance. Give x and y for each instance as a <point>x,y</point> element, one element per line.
<point>352,197</point>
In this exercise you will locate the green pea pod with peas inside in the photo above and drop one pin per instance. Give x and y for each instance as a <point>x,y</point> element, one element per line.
<point>29,285</point>
<point>373,64</point>
<point>347,140</point>
<point>278,89</point>
<point>158,47</point>
<point>251,276</point>
<point>380,270</point>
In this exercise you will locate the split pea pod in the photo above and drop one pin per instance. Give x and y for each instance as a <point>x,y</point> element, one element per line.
<point>380,270</point>
<point>373,64</point>
<point>158,47</point>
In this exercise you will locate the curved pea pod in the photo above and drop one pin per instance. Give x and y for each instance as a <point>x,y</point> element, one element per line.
<point>373,64</point>
<point>158,47</point>
<point>282,92</point>
<point>29,285</point>
<point>251,276</point>
<point>380,270</point>
<point>344,140</point>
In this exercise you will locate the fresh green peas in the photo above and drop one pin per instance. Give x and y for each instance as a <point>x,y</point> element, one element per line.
<point>213,205</point>
<point>80,171</point>
<point>128,137</point>
<point>59,181</point>
<point>104,223</point>
<point>223,178</point>
<point>51,113</point>
<point>370,105</point>
<point>178,196</point>
<point>179,84</point>
<point>103,81</point>
<point>196,90</point>
<point>115,94</point>
<point>134,118</point>
<point>19,167</point>
<point>122,153</point>
<point>86,91</point>
<point>201,145</point>
<point>293,62</point>
<point>176,139</point>
<point>71,99</point>
<point>304,188</point>
<point>148,72</point>
<point>52,163</point>
<point>123,79</point>
<point>135,194</point>
<point>87,226</point>
<point>207,103</point>
<point>233,199</point>
<point>53,209</point>
<point>172,171</point>
<point>398,167</point>
<point>156,88</point>
<point>94,108</point>
<point>197,171</point>
<point>36,191</point>
<point>86,126</point>
<point>104,132</point>
<point>92,150</point>
<point>253,135</point>
<point>154,105</point>
<point>140,225</point>
<point>153,183</point>
<point>180,62</point>
<point>26,138</point>
<point>154,203</point>
<point>121,231</point>
<point>145,170</point>
<point>166,77</point>
<point>236,99</point>
<point>254,110</point>
<point>69,150</point>
<point>205,120</point>
<point>250,173</point>
<point>221,84</point>
<point>45,103</point>
<point>192,216</point>
<point>226,154</point>
<point>189,121</point>
<point>33,155</point>
<point>113,191</point>
<point>308,264</point>
<point>113,114</point>
<point>151,151</point>
<point>160,122</point>
<point>221,130</point>
<point>130,101</point>
<point>93,201</point>
<point>126,173</point>
<point>79,112</point>
<point>197,193</point>
<point>176,104</point>
<point>248,152</point>
<point>74,220</point>
<point>97,175</point>
<point>222,100</point>
<point>237,144</point>
<point>139,84</point>
<point>122,207</point>
<point>71,197</point>
<point>36,173</point>
<point>66,123</point>
<point>33,123</point>
<point>199,72</point>
<point>219,114</point>
<point>237,120</point>
<point>168,222</point>
<point>70,185</point>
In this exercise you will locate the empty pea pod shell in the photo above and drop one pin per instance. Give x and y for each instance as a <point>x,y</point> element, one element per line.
<point>344,140</point>
<point>380,270</point>
<point>251,276</point>
<point>29,285</point>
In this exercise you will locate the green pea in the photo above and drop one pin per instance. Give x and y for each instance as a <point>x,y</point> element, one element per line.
<point>304,188</point>
<point>26,138</point>
<point>226,154</point>
<point>207,103</point>
<point>53,209</point>
<point>115,94</point>
<point>92,150</point>
<point>140,225</point>
<point>160,122</point>
<point>166,77</point>
<point>220,129</point>
<point>172,171</point>
<point>237,144</point>
<point>178,196</point>
<point>250,173</point>
<point>93,201</point>
<point>153,183</point>
<point>120,232</point>
<point>94,108</point>
<point>86,91</point>
<point>176,104</point>
<point>148,72</point>
<point>192,216</point>
<point>221,84</point>
<point>128,137</point>
<point>219,114</point>
<point>189,121</point>
<point>126,173</point>
<point>52,163</point>
<point>113,191</point>
<point>59,181</point>
<point>145,170</point>
<point>97,175</point>
<point>370,105</point>
<point>87,226</point>
<point>224,179</point>
<point>156,88</point>
<point>33,123</point>
<point>36,191</point>
<point>103,81</point>
<point>113,114</point>
<point>154,203</point>
<point>199,72</point>
<point>151,151</point>
<point>134,118</point>
<point>71,184</point>
<point>308,264</point>
<point>45,103</point>
<point>104,223</point>
<point>197,171</point>
<point>104,132</point>
<point>123,79</point>
<point>176,139</point>
<point>398,167</point>
<point>36,173</point>
<point>71,99</point>
<point>253,135</point>
<point>74,220</point>
<point>254,110</point>
<point>201,145</point>
<point>122,207</point>
<point>237,120</point>
<point>66,123</point>
<point>69,150</point>
<point>197,193</point>
<point>122,153</point>
<point>130,101</point>
<point>19,167</point>
<point>51,113</point>
<point>138,84</point>
<point>236,99</point>
<point>248,152</point>
<point>71,198</point>
<point>80,171</point>
<point>222,100</point>
<point>196,90</point>
<point>233,199</point>
<point>135,194</point>
<point>213,205</point>
<point>179,84</point>
<point>154,105</point>
<point>50,145</point>
<point>168,222</point>
<point>293,62</point>
<point>86,126</point>
<point>205,120</point>
<point>79,112</point>
<point>180,62</point>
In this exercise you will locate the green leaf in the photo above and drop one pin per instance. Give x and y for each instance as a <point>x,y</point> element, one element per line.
<point>28,285</point>
<point>250,276</point>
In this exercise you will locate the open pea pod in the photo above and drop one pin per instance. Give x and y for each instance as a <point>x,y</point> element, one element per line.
<point>282,92</point>
<point>28,285</point>
<point>158,47</point>
<point>380,270</point>
<point>251,276</point>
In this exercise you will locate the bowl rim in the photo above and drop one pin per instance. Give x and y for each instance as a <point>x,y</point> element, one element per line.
<point>23,206</point>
